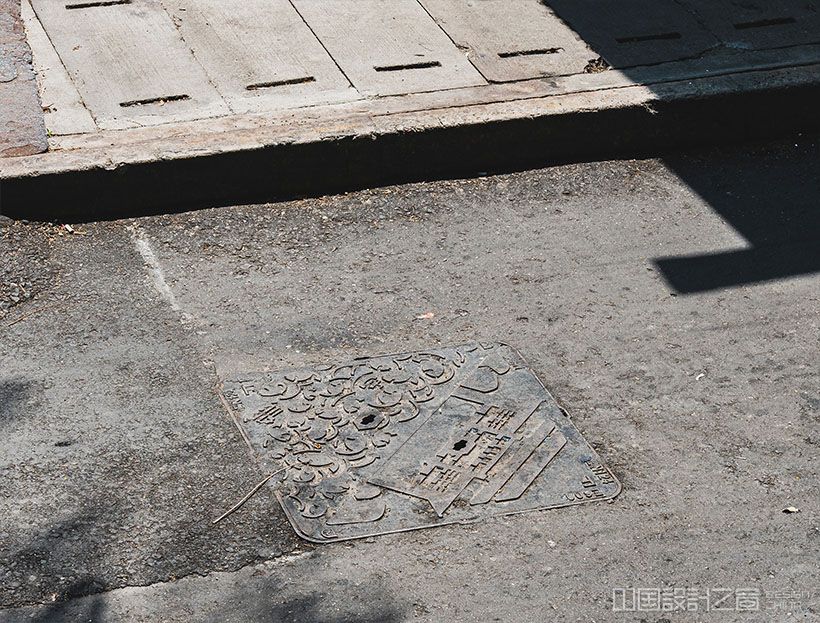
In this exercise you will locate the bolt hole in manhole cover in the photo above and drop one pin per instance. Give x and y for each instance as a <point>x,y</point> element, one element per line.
<point>400,442</point>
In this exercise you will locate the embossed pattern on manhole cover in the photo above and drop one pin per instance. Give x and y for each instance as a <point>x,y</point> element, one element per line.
<point>399,442</point>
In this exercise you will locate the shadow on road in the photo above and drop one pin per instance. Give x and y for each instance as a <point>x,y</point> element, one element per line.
<point>67,609</point>
<point>347,603</point>
<point>773,204</point>
<point>13,394</point>
<point>57,551</point>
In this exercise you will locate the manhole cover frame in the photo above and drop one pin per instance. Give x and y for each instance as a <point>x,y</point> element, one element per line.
<point>344,433</point>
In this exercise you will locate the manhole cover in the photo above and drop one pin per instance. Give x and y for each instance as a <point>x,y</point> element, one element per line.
<point>399,442</point>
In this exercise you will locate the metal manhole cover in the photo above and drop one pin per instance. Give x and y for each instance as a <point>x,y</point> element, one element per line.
<point>399,442</point>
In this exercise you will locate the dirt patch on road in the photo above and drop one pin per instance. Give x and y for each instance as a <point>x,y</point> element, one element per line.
<point>26,270</point>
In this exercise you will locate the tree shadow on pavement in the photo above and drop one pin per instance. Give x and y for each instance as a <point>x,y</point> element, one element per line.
<point>54,552</point>
<point>342,606</point>
<point>69,610</point>
<point>13,393</point>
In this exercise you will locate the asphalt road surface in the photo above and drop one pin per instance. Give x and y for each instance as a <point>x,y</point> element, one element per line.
<point>671,306</point>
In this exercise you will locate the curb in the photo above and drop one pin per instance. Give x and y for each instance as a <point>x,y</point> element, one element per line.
<point>634,121</point>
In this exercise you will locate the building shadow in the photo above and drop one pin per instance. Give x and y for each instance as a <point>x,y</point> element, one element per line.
<point>635,33</point>
<point>771,199</point>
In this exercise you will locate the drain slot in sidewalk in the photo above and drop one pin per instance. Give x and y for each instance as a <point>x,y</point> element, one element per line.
<point>424,65</point>
<point>91,5</point>
<point>280,83</point>
<point>156,100</point>
<point>663,36</point>
<point>537,52</point>
<point>765,23</point>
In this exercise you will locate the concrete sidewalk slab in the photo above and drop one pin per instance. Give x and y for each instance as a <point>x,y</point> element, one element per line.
<point>387,47</point>
<point>759,23</point>
<point>630,33</point>
<point>129,62</point>
<point>22,131</point>
<point>259,54</point>
<point>504,45</point>
<point>64,110</point>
